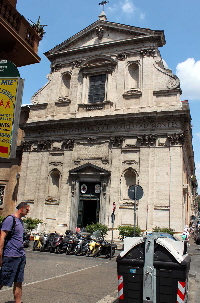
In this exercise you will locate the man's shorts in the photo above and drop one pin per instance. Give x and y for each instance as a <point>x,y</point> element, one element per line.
<point>12,270</point>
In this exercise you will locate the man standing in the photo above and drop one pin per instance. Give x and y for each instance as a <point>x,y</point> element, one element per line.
<point>12,255</point>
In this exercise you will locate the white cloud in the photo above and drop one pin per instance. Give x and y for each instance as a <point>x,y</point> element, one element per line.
<point>128,7</point>
<point>189,75</point>
<point>125,7</point>
<point>142,16</point>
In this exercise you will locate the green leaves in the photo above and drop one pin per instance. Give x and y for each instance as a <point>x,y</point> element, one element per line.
<point>128,231</point>
<point>164,230</point>
<point>31,224</point>
<point>97,226</point>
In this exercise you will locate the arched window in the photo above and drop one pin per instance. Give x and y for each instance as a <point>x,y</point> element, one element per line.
<point>128,179</point>
<point>54,183</point>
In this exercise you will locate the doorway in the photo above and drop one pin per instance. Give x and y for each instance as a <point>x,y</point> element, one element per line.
<point>89,212</point>
<point>89,203</point>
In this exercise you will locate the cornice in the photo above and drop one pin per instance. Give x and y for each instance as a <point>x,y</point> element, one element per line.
<point>142,117</point>
<point>158,34</point>
<point>91,48</point>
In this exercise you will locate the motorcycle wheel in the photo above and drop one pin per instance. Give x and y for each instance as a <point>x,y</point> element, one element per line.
<point>34,245</point>
<point>51,249</point>
<point>42,248</point>
<point>88,252</point>
<point>113,252</point>
<point>96,254</point>
<point>68,250</point>
<point>77,251</point>
<point>58,250</point>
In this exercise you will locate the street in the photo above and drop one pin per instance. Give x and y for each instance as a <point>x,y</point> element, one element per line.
<point>52,278</point>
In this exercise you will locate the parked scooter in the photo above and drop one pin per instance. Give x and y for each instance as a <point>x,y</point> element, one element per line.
<point>69,242</point>
<point>57,244</point>
<point>37,244</point>
<point>45,242</point>
<point>98,246</point>
<point>26,239</point>
<point>83,240</point>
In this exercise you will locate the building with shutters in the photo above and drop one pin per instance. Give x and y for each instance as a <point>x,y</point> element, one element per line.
<point>109,117</point>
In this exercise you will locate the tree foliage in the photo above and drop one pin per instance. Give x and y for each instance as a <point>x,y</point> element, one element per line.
<point>31,224</point>
<point>128,231</point>
<point>164,230</point>
<point>97,226</point>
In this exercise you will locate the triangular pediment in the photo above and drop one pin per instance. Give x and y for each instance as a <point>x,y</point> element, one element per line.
<point>104,32</point>
<point>89,169</point>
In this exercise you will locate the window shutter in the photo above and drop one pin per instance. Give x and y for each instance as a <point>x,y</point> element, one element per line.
<point>97,88</point>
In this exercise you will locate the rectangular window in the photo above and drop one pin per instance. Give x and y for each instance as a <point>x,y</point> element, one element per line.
<point>97,88</point>
<point>2,190</point>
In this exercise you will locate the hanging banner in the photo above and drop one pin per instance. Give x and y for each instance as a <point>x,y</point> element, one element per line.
<point>10,105</point>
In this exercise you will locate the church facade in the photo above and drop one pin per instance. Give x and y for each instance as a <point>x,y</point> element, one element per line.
<point>109,117</point>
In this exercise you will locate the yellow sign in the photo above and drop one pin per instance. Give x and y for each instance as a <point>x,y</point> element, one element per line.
<point>8,96</point>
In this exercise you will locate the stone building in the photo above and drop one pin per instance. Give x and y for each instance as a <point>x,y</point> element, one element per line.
<point>109,117</point>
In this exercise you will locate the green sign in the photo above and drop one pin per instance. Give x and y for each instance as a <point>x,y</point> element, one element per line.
<point>8,69</point>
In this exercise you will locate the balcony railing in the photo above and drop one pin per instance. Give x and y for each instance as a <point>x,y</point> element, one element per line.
<point>19,24</point>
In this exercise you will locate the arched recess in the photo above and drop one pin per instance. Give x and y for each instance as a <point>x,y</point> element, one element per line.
<point>129,177</point>
<point>132,81</point>
<point>65,85</point>
<point>54,183</point>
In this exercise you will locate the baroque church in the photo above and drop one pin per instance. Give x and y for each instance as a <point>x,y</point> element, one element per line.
<point>109,117</point>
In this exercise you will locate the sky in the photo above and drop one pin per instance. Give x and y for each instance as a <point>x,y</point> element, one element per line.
<point>178,18</point>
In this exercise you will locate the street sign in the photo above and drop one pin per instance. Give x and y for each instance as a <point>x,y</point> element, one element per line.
<point>135,192</point>
<point>8,69</point>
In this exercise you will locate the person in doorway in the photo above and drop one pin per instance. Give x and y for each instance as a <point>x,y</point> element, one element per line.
<point>12,255</point>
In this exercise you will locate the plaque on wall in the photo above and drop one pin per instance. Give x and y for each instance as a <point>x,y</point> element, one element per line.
<point>83,188</point>
<point>97,188</point>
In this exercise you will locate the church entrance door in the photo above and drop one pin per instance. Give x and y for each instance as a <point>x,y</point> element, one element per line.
<point>89,203</point>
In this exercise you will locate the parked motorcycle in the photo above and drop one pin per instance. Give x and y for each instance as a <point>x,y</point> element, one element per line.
<point>45,242</point>
<point>69,242</point>
<point>83,240</point>
<point>98,246</point>
<point>57,244</point>
<point>37,244</point>
<point>26,239</point>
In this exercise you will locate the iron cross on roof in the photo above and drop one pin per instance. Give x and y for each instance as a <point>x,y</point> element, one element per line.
<point>103,3</point>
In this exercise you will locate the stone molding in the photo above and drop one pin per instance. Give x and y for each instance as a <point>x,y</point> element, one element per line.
<point>116,141</point>
<point>63,101</point>
<point>132,93</point>
<point>56,163</point>
<point>99,32</point>
<point>130,162</point>
<point>47,145</point>
<point>95,106</point>
<point>148,52</point>
<point>147,140</point>
<point>68,144</point>
<point>52,201</point>
<point>173,82</point>
<point>121,57</point>
<point>176,139</point>
<point>161,207</point>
